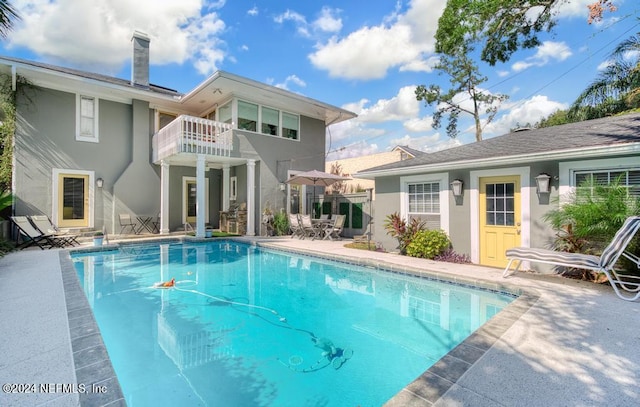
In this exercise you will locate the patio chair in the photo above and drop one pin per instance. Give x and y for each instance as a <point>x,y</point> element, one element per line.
<point>294,226</point>
<point>126,222</point>
<point>334,229</point>
<point>46,227</point>
<point>308,228</point>
<point>626,287</point>
<point>34,236</point>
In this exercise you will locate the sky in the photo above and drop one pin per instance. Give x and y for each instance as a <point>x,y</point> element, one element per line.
<point>361,55</point>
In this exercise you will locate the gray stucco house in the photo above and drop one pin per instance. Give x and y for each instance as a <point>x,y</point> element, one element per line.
<point>89,147</point>
<point>500,204</point>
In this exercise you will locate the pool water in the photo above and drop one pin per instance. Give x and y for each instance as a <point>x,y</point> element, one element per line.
<point>245,326</point>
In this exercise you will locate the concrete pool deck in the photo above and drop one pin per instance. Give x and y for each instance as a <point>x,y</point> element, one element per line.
<point>573,343</point>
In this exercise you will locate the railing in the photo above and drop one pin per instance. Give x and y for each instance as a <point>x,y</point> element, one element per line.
<point>188,134</point>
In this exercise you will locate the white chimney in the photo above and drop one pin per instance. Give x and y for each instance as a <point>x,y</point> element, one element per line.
<point>140,62</point>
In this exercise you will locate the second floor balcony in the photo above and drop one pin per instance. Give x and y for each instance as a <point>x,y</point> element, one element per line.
<point>193,135</point>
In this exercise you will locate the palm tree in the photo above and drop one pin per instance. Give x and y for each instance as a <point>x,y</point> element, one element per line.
<point>8,14</point>
<point>617,88</point>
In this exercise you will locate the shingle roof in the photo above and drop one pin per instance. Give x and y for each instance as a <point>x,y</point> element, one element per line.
<point>94,76</point>
<point>591,133</point>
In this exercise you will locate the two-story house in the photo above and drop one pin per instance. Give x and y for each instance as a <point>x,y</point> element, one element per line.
<point>89,147</point>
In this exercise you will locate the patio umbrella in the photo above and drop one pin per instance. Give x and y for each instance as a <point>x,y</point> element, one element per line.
<point>315,178</point>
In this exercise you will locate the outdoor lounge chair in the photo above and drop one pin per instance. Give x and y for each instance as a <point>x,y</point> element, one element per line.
<point>626,287</point>
<point>46,227</point>
<point>33,236</point>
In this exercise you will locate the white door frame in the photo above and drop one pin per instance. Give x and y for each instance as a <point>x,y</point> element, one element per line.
<point>184,198</point>
<point>474,195</point>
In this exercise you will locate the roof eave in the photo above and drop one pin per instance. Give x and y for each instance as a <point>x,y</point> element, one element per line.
<point>583,152</point>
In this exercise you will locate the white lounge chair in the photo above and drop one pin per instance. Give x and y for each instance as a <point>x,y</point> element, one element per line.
<point>625,286</point>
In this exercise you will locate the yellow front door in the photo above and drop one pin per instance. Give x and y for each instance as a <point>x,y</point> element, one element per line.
<point>500,218</point>
<point>73,200</point>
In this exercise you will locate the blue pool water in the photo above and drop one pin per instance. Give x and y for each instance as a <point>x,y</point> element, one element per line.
<point>246,326</point>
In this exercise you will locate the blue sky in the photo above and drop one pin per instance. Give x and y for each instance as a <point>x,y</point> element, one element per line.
<point>362,55</point>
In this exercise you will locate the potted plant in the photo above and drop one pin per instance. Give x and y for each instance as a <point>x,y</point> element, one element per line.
<point>98,237</point>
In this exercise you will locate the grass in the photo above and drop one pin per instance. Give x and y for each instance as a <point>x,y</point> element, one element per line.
<point>363,246</point>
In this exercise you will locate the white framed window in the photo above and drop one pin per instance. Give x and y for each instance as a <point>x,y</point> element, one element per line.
<point>629,178</point>
<point>572,172</point>
<point>86,118</point>
<point>290,125</point>
<point>247,116</point>
<point>270,121</point>
<point>233,188</point>
<point>225,113</point>
<point>426,197</point>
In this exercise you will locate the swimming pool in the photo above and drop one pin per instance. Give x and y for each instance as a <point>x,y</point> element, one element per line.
<point>249,326</point>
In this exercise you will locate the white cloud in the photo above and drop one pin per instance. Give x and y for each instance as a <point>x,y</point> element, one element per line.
<point>418,124</point>
<point>545,53</point>
<point>522,113</point>
<point>253,11</point>
<point>97,34</point>
<point>404,41</point>
<point>328,22</point>
<point>401,107</point>
<point>290,79</point>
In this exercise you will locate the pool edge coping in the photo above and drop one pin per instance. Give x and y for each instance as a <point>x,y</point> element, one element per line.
<point>433,383</point>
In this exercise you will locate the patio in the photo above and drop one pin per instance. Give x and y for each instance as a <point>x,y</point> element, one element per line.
<point>576,345</point>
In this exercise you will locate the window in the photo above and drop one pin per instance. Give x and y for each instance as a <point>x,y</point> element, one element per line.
<point>86,118</point>
<point>247,116</point>
<point>629,178</point>
<point>290,125</point>
<point>165,119</point>
<point>270,121</point>
<point>500,204</point>
<point>224,113</point>
<point>424,198</point>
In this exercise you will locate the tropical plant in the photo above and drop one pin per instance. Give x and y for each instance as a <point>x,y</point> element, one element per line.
<point>616,89</point>
<point>428,244</point>
<point>8,14</point>
<point>587,222</point>
<point>280,223</point>
<point>402,230</point>
<point>450,256</point>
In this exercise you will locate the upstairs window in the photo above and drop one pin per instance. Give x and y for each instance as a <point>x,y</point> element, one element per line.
<point>224,113</point>
<point>86,118</point>
<point>247,116</point>
<point>290,125</point>
<point>270,121</point>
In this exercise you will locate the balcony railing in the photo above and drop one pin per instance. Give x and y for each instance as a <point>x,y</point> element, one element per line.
<point>188,134</point>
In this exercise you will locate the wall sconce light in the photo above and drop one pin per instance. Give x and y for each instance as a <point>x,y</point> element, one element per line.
<point>456,187</point>
<point>99,182</point>
<point>543,183</point>
<point>283,187</point>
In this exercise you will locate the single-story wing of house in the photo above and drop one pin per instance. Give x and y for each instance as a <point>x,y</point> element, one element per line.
<point>90,147</point>
<point>491,195</point>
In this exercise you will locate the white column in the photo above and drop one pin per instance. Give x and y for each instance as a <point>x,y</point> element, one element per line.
<point>251,196</point>
<point>200,192</point>
<point>164,197</point>
<point>225,187</point>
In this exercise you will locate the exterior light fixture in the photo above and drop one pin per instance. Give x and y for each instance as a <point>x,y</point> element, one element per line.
<point>99,182</point>
<point>456,187</point>
<point>543,183</point>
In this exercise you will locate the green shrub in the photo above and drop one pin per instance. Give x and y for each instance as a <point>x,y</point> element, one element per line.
<point>428,244</point>
<point>280,223</point>
<point>404,232</point>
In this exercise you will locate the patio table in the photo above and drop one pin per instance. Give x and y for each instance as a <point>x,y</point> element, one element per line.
<point>146,223</point>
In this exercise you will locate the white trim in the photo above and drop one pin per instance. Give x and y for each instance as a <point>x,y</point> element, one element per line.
<point>95,138</point>
<point>568,169</point>
<point>206,197</point>
<point>583,152</point>
<point>443,179</point>
<point>474,196</point>
<point>55,187</point>
<point>233,188</point>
